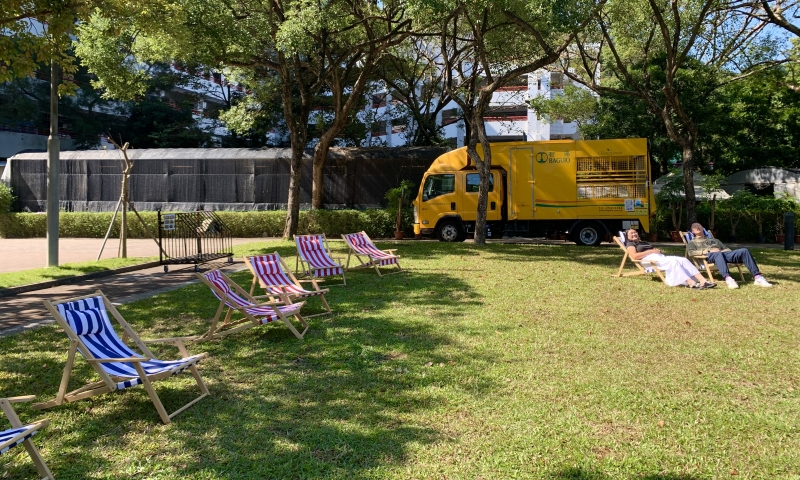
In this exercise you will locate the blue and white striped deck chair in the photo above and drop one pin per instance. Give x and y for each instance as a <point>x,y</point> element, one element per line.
<point>20,434</point>
<point>88,326</point>
<point>643,267</point>
<point>701,261</point>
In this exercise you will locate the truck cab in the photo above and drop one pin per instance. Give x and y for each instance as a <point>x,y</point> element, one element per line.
<point>448,204</point>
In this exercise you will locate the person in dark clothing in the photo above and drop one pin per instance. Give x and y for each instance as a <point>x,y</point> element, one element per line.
<point>721,256</point>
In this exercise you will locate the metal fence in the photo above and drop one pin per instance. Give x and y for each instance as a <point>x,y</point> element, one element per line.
<point>192,237</point>
<point>214,179</point>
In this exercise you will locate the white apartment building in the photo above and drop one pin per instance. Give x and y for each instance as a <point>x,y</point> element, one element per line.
<point>509,118</point>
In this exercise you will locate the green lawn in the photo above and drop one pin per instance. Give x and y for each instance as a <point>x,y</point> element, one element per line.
<point>508,361</point>
<point>36,275</point>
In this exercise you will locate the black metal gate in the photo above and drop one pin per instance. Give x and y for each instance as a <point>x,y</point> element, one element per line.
<point>192,237</point>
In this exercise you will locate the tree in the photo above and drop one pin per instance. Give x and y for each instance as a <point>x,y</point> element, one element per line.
<point>486,45</point>
<point>575,105</point>
<point>630,38</point>
<point>351,46</point>
<point>294,48</point>
<point>412,75</point>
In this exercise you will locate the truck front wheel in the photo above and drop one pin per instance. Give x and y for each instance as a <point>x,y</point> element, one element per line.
<point>588,234</point>
<point>450,231</point>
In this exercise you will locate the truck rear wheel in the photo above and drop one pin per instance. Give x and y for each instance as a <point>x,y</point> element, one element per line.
<point>450,231</point>
<point>588,234</point>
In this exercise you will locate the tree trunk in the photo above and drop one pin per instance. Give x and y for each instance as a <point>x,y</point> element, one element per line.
<point>123,230</point>
<point>688,182</point>
<point>293,202</point>
<point>318,172</point>
<point>475,120</point>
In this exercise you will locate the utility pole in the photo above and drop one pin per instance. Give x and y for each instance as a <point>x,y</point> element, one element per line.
<point>53,148</point>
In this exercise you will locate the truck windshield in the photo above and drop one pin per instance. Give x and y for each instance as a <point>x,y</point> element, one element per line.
<point>436,185</point>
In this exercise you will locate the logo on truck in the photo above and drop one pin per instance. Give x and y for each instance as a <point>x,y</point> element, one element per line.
<point>550,157</point>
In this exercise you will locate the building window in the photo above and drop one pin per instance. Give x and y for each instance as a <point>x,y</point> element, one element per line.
<point>556,81</point>
<point>379,128</point>
<point>379,100</point>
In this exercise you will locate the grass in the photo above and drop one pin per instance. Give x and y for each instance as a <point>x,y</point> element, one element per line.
<point>36,275</point>
<point>508,361</point>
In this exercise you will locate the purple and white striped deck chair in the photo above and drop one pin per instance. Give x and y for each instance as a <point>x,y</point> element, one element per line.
<point>314,257</point>
<point>255,313</point>
<point>701,261</point>
<point>368,255</point>
<point>89,328</point>
<point>20,434</point>
<point>643,267</point>
<point>274,276</point>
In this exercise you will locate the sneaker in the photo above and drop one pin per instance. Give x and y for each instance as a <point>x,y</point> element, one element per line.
<point>731,283</point>
<point>696,286</point>
<point>709,285</point>
<point>762,282</point>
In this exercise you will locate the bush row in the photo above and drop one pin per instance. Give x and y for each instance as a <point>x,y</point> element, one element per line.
<point>377,223</point>
<point>746,229</point>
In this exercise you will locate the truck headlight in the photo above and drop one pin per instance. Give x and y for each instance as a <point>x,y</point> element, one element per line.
<point>416,214</point>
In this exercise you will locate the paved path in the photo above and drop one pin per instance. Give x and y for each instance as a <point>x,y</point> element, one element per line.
<point>23,311</point>
<point>27,253</point>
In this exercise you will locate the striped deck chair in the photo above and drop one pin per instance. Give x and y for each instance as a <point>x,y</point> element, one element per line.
<point>21,434</point>
<point>274,276</point>
<point>314,257</point>
<point>643,268</point>
<point>88,326</point>
<point>709,268</point>
<point>255,313</point>
<point>361,247</point>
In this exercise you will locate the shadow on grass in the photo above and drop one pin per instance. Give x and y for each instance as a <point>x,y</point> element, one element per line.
<point>584,474</point>
<point>342,403</point>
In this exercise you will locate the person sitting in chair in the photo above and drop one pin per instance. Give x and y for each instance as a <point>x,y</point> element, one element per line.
<point>720,255</point>
<point>678,270</point>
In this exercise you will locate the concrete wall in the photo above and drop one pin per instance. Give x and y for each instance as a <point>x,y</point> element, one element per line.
<point>11,143</point>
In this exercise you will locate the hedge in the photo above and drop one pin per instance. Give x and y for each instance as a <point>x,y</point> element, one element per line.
<point>377,223</point>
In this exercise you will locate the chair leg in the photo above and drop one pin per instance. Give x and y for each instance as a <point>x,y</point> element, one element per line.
<point>708,271</point>
<point>38,461</point>
<point>622,265</point>
<point>162,412</point>
<point>288,324</point>
<point>741,274</point>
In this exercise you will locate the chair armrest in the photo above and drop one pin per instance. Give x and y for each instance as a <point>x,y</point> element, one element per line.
<point>22,398</point>
<point>283,290</point>
<point>111,360</point>
<point>318,280</point>
<point>264,304</point>
<point>390,250</point>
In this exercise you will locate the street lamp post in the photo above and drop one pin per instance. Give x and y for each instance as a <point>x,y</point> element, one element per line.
<point>53,147</point>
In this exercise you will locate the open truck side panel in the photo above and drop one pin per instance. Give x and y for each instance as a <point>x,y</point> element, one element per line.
<point>582,188</point>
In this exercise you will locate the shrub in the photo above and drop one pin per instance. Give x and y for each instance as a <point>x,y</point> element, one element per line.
<point>377,223</point>
<point>6,198</point>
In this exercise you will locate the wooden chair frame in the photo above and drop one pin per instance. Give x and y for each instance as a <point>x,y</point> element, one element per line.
<point>302,265</point>
<point>372,262</point>
<point>638,263</point>
<point>108,383</point>
<point>285,296</point>
<point>708,267</point>
<point>226,327</point>
<point>13,419</point>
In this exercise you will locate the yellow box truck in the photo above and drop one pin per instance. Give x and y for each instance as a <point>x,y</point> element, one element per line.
<point>579,188</point>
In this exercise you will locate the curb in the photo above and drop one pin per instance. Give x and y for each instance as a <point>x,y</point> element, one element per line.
<point>11,291</point>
